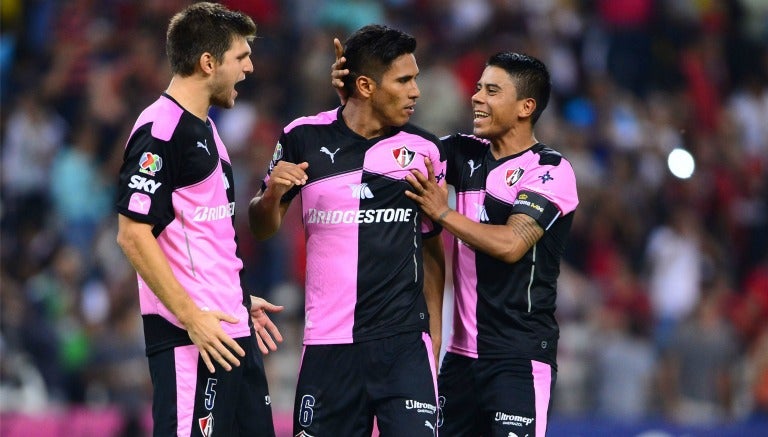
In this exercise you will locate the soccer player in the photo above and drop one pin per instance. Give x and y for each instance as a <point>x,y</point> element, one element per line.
<point>375,267</point>
<point>176,212</point>
<point>515,200</point>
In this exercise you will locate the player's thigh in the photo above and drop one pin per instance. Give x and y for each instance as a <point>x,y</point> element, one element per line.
<point>516,396</point>
<point>330,393</point>
<point>458,397</point>
<point>188,400</point>
<point>254,405</point>
<point>404,386</point>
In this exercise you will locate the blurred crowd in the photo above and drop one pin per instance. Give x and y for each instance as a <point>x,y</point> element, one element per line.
<point>663,299</point>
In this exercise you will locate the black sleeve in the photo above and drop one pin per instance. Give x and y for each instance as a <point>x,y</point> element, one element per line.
<point>147,178</point>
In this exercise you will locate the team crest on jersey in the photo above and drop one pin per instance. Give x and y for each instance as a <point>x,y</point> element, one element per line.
<point>150,163</point>
<point>206,425</point>
<point>513,176</point>
<point>403,156</point>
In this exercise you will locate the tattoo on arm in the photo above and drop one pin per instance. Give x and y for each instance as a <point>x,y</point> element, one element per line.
<point>526,228</point>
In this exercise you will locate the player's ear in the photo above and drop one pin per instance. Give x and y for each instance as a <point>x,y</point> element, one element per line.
<point>365,86</point>
<point>206,63</point>
<point>527,106</point>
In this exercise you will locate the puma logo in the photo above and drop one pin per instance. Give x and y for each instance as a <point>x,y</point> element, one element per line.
<point>472,167</point>
<point>204,146</point>
<point>430,426</point>
<point>329,153</point>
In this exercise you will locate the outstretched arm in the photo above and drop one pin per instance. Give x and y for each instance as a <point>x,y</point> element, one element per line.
<point>203,327</point>
<point>508,242</point>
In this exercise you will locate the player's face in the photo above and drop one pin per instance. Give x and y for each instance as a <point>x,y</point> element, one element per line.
<point>396,93</point>
<point>235,64</point>
<point>495,105</point>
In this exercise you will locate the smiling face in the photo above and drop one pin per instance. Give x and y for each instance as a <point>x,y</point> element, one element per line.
<point>495,105</point>
<point>394,98</point>
<point>234,65</point>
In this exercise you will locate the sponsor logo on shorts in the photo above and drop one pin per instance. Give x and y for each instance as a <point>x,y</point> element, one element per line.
<point>512,419</point>
<point>421,407</point>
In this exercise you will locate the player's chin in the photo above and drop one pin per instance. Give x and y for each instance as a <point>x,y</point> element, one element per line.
<point>224,103</point>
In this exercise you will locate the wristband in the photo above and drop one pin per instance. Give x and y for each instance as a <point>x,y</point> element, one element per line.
<point>443,214</point>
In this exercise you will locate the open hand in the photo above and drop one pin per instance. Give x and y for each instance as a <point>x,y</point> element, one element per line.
<point>338,73</point>
<point>427,193</point>
<point>266,331</point>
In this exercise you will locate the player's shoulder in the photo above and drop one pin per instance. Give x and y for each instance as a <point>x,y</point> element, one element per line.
<point>160,120</point>
<point>548,156</point>
<point>413,129</point>
<point>466,140</point>
<point>320,119</point>
<point>464,146</point>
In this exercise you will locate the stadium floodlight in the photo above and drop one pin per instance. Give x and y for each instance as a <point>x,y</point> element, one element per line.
<point>681,163</point>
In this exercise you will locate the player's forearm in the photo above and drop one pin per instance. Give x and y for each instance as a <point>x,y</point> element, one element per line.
<point>502,242</point>
<point>265,215</point>
<point>149,261</point>
<point>434,288</point>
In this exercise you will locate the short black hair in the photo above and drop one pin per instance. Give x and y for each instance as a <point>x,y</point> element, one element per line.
<point>200,28</point>
<point>370,51</point>
<point>530,76</point>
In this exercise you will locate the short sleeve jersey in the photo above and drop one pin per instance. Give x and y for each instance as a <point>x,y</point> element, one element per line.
<point>176,175</point>
<point>508,310</point>
<point>364,273</point>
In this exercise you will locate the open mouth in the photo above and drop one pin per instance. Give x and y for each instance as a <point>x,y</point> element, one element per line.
<point>481,114</point>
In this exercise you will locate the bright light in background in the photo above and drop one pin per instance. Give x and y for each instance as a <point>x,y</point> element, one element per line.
<point>680,163</point>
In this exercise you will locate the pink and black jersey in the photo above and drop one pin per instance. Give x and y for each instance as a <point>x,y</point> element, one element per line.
<point>507,310</point>
<point>364,274</point>
<point>176,175</point>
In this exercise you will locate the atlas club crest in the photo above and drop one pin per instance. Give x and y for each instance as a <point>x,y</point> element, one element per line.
<point>403,156</point>
<point>513,176</point>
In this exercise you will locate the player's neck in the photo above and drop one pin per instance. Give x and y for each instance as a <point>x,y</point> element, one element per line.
<point>360,119</point>
<point>192,94</point>
<point>512,143</point>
